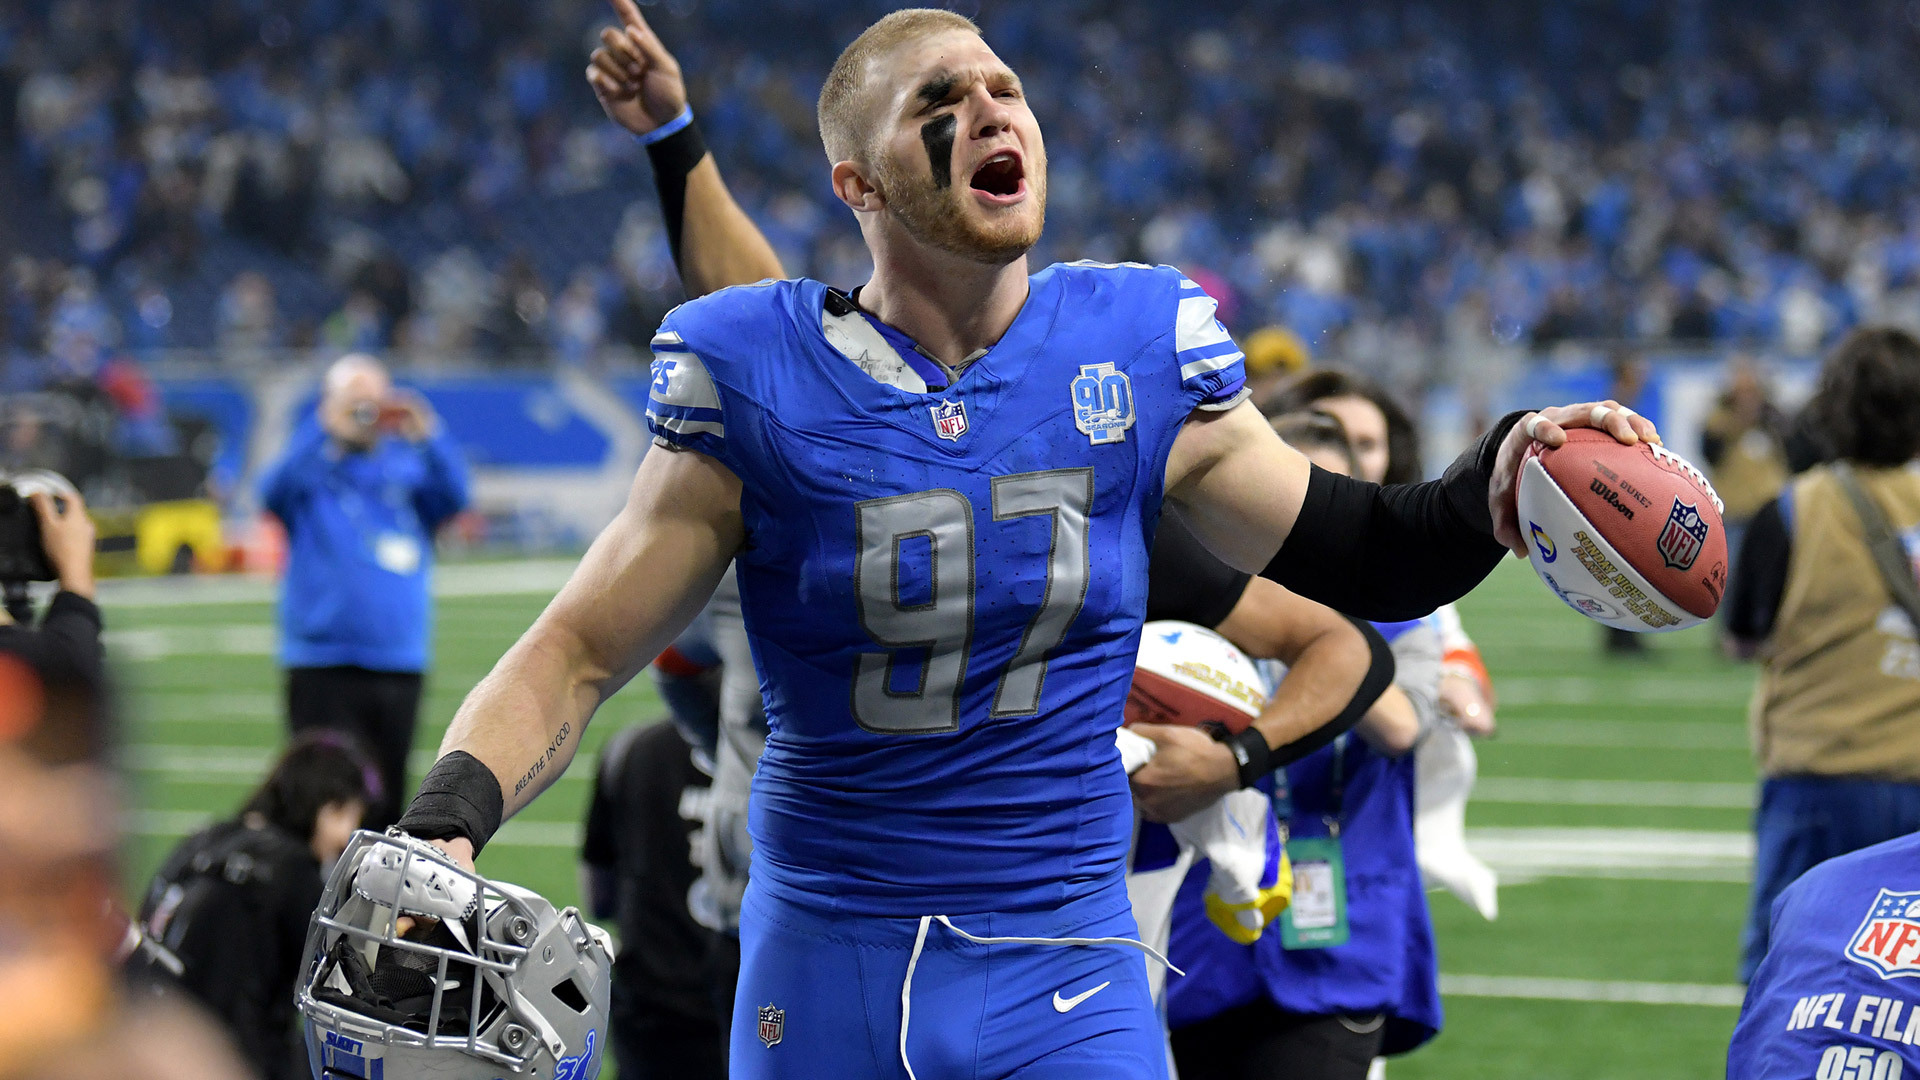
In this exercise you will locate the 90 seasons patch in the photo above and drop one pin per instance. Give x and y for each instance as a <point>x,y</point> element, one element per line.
<point>1102,403</point>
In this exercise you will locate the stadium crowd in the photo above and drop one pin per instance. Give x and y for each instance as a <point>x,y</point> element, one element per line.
<point>1396,185</point>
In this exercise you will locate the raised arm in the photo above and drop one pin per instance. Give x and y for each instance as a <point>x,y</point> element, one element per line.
<point>640,86</point>
<point>1395,552</point>
<point>642,581</point>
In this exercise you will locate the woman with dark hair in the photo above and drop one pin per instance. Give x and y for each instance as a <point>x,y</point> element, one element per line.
<point>1817,594</point>
<point>1386,444</point>
<point>1344,980</point>
<point>1386,450</point>
<point>233,900</point>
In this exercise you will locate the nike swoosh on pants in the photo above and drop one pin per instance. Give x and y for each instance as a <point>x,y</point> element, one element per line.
<point>1061,1004</point>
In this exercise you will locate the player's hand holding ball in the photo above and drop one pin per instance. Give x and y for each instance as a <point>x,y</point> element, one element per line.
<point>636,79</point>
<point>1548,427</point>
<point>1622,529</point>
<point>1189,771</point>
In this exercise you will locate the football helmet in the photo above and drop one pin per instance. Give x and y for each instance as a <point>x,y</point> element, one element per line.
<point>488,981</point>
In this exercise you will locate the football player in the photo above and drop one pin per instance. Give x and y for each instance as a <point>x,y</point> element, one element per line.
<point>1326,657</point>
<point>940,490</point>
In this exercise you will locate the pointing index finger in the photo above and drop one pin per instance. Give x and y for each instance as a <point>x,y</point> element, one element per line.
<point>629,12</point>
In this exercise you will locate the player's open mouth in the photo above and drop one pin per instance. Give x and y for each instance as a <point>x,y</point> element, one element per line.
<point>1001,178</point>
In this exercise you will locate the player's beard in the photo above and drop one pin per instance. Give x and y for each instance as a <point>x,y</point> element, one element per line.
<point>938,216</point>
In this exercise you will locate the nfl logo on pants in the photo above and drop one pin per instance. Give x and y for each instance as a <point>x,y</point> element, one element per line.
<point>773,1025</point>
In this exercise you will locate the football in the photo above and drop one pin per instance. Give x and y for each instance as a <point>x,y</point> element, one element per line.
<point>1629,536</point>
<point>1187,674</point>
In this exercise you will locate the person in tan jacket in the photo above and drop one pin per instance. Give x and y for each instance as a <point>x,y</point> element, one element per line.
<point>1836,712</point>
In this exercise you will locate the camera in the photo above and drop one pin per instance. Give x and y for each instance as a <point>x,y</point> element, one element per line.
<point>22,556</point>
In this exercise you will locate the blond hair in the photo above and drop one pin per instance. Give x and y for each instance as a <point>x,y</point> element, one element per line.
<point>846,127</point>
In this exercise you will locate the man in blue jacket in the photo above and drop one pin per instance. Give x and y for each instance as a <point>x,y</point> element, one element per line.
<point>361,488</point>
<point>1837,996</point>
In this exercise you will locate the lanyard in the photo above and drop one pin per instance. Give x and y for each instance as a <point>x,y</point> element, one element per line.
<point>1336,794</point>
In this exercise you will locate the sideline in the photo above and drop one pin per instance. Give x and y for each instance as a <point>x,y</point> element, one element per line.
<point>1625,993</point>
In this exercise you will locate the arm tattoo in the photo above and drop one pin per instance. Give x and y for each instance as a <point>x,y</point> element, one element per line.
<point>540,764</point>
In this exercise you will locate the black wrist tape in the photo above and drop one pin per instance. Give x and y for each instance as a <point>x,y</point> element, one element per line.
<point>1250,751</point>
<point>674,158</point>
<point>459,797</point>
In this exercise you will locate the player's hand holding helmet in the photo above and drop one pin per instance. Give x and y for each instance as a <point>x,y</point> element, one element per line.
<point>419,967</point>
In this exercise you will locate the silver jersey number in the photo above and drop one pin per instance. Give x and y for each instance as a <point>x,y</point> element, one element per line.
<point>943,624</point>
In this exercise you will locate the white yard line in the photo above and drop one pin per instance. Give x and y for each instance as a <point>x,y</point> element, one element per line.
<point>1629,854</point>
<point>1632,993</point>
<point>159,643</point>
<point>1731,689</point>
<point>458,579</point>
<point>183,763</point>
<point>1681,794</point>
<point>1519,854</point>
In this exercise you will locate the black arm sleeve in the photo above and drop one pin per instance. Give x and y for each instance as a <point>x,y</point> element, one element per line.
<point>1379,676</point>
<point>1185,581</point>
<point>71,627</point>
<point>673,159</point>
<point>1397,552</point>
<point>1759,576</point>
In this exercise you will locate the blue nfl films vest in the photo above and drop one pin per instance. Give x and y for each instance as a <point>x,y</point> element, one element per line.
<point>1838,995</point>
<point>944,587</point>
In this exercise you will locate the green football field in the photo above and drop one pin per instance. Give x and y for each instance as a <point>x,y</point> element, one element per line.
<point>1614,802</point>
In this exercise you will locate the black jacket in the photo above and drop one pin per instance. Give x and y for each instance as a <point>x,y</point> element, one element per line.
<point>233,902</point>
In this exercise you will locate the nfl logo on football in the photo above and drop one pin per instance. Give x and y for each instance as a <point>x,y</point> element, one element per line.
<point>949,420</point>
<point>1888,940</point>
<point>773,1022</point>
<point>1684,536</point>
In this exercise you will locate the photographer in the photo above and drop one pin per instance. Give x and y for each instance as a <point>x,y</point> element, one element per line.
<point>362,489</point>
<point>232,901</point>
<point>65,646</point>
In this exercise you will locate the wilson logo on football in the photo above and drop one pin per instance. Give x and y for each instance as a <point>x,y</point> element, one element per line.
<point>1888,940</point>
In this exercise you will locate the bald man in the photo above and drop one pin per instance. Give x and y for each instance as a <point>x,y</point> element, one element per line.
<point>361,488</point>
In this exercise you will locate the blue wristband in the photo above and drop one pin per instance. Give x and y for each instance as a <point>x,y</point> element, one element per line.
<point>669,128</point>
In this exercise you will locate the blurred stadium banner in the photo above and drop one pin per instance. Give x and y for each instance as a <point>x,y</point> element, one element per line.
<point>554,450</point>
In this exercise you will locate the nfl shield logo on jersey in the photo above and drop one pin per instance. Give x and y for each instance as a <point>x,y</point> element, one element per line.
<point>949,421</point>
<point>1102,403</point>
<point>1888,940</point>
<point>773,1022</point>
<point>1684,536</point>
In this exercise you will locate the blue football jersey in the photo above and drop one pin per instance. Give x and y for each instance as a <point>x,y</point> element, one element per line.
<point>944,588</point>
<point>1838,995</point>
